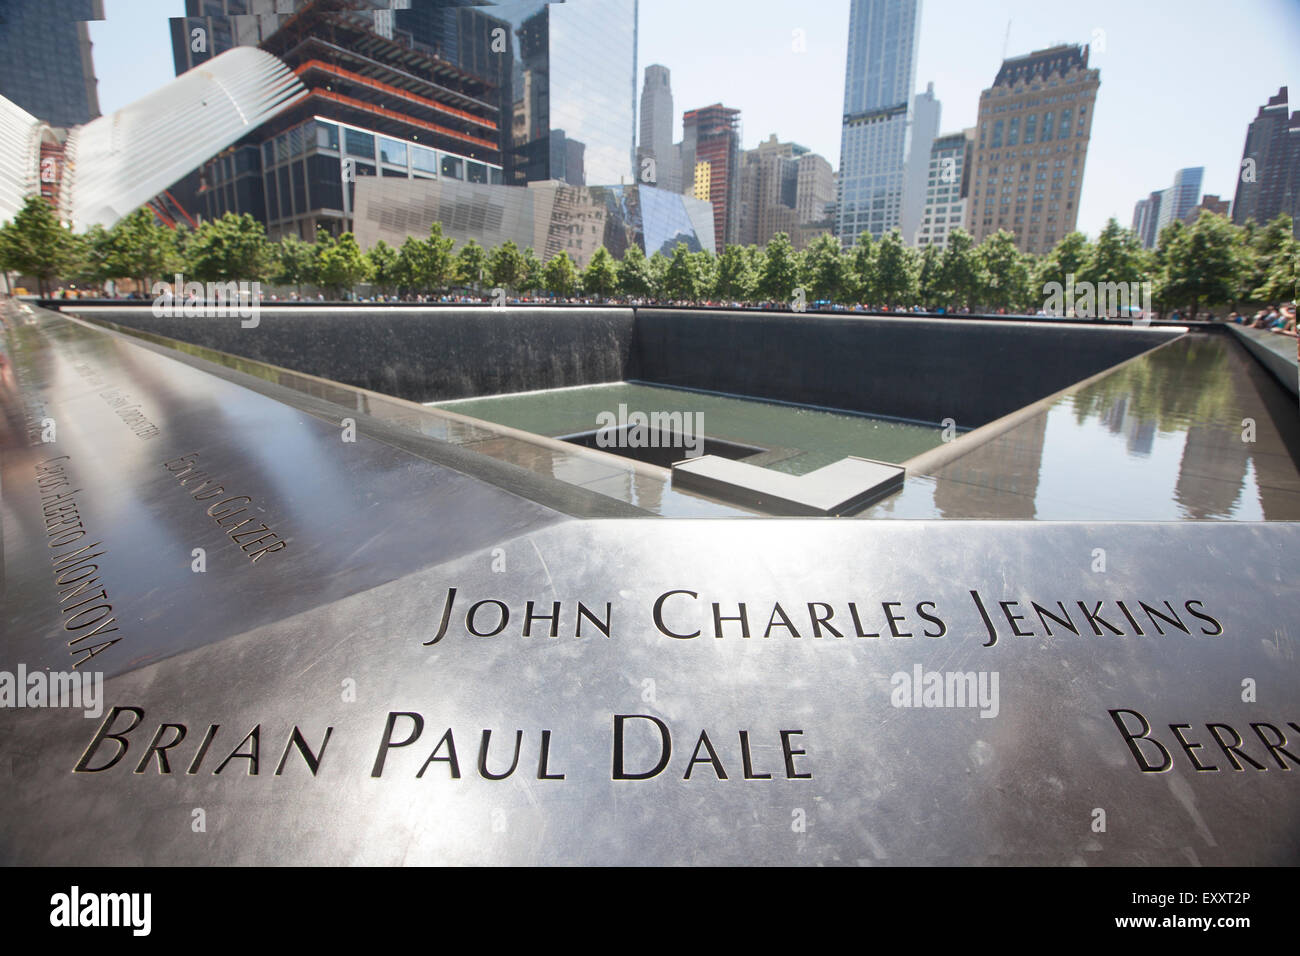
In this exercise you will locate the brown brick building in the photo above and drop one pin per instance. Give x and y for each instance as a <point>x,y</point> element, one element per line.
<point>1031,141</point>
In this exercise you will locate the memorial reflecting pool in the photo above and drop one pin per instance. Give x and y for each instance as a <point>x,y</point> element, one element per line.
<point>1156,435</point>
<point>793,439</point>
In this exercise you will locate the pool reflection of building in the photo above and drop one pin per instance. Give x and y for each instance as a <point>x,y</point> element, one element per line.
<point>997,480</point>
<point>1196,392</point>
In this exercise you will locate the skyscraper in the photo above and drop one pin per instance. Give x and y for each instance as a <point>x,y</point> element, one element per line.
<point>1268,182</point>
<point>46,66</point>
<point>1146,213</point>
<point>1153,214</point>
<point>925,127</point>
<point>947,188</point>
<point>769,186</point>
<point>711,135</point>
<point>1032,137</point>
<point>657,129</point>
<point>875,139</point>
<point>783,188</point>
<point>816,189</point>
<point>1180,198</point>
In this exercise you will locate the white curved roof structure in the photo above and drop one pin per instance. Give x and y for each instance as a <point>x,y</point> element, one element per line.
<point>20,157</point>
<point>118,162</point>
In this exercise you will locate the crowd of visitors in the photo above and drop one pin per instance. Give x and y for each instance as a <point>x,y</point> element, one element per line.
<point>1275,318</point>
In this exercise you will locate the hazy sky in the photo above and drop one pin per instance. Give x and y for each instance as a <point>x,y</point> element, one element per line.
<point>1180,79</point>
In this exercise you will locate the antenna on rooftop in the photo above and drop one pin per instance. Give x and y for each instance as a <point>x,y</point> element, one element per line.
<point>1006,41</point>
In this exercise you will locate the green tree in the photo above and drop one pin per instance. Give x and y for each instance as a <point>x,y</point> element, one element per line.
<point>682,280</point>
<point>10,253</point>
<point>1282,283</point>
<point>1203,264</point>
<point>780,275</point>
<point>896,270</point>
<point>559,275</point>
<point>140,248</point>
<point>1262,248</point>
<point>825,271</point>
<point>471,264</point>
<point>506,265</point>
<point>382,260</point>
<point>440,264</point>
<point>1006,275</point>
<point>657,266</point>
<point>1117,256</point>
<point>961,276</point>
<point>706,273</point>
<point>232,248</point>
<point>412,269</point>
<point>927,281</point>
<point>634,279</point>
<point>1170,238</point>
<point>91,248</point>
<point>600,278</point>
<point>735,278</point>
<point>342,265</point>
<point>1066,259</point>
<point>861,277</point>
<point>324,240</point>
<point>531,277</point>
<point>755,256</point>
<point>181,241</point>
<point>293,262</point>
<point>37,245</point>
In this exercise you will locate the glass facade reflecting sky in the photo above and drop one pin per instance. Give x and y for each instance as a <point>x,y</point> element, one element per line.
<point>568,79</point>
<point>45,59</point>
<point>879,78</point>
<point>564,73</point>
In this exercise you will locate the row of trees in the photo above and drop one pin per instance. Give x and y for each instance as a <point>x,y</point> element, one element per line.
<point>1207,263</point>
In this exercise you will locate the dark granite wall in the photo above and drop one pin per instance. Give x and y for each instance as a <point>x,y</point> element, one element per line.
<point>423,355</point>
<point>970,370</point>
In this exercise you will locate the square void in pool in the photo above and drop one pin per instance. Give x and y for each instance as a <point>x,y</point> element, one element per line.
<point>794,439</point>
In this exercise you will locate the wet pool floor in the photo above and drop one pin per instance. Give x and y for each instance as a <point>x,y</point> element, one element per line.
<point>796,439</point>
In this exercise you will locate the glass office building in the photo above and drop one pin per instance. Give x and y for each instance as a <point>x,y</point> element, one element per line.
<point>879,77</point>
<point>45,60</point>
<point>568,79</point>
<point>307,176</point>
<point>1181,198</point>
<point>559,77</point>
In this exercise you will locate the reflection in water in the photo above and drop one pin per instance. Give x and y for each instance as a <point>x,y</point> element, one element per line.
<point>1171,388</point>
<point>996,481</point>
<point>1212,472</point>
<point>1160,438</point>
